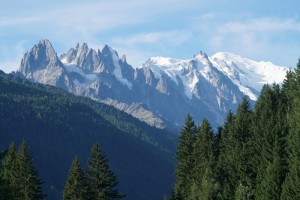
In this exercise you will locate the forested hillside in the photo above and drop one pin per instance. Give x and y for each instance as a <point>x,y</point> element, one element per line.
<point>254,155</point>
<point>58,126</point>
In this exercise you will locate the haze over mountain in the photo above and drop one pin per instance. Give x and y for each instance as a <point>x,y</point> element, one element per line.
<point>162,91</point>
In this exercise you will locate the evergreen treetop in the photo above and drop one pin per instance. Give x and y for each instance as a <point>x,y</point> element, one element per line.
<point>77,187</point>
<point>101,178</point>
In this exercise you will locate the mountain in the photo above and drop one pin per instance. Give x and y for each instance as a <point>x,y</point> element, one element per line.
<point>162,91</point>
<point>58,126</point>
<point>247,74</point>
<point>42,64</point>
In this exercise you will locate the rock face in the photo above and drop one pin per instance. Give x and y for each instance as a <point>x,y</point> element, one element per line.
<point>162,91</point>
<point>41,64</point>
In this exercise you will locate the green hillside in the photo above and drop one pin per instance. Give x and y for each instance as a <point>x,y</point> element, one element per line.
<point>58,126</point>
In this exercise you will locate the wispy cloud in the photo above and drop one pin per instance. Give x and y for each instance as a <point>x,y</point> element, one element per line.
<point>8,21</point>
<point>140,47</point>
<point>173,38</point>
<point>141,29</point>
<point>261,25</point>
<point>262,38</point>
<point>96,17</point>
<point>92,16</point>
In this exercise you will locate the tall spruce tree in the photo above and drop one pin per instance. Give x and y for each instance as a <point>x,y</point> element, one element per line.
<point>291,186</point>
<point>203,157</point>
<point>245,148</point>
<point>10,168</point>
<point>101,178</point>
<point>269,184</point>
<point>203,150</point>
<point>77,186</point>
<point>226,170</point>
<point>5,190</point>
<point>20,174</point>
<point>269,136</point>
<point>29,183</point>
<point>185,159</point>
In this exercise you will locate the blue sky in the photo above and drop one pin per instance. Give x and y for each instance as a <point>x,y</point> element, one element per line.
<point>263,30</point>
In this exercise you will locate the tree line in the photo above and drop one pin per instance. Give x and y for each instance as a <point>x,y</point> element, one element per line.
<point>19,178</point>
<point>255,154</point>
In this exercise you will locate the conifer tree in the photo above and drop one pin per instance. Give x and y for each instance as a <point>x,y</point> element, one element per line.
<point>10,168</point>
<point>5,190</point>
<point>20,174</point>
<point>29,183</point>
<point>226,175</point>
<point>245,147</point>
<point>102,180</point>
<point>208,185</point>
<point>269,185</point>
<point>203,158</point>
<point>270,133</point>
<point>76,187</point>
<point>203,150</point>
<point>291,186</point>
<point>185,159</point>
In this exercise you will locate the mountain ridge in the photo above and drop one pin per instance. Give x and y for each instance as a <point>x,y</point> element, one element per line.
<point>167,88</point>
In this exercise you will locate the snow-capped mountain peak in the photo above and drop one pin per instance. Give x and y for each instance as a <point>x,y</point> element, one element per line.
<point>248,74</point>
<point>164,88</point>
<point>91,61</point>
<point>261,72</point>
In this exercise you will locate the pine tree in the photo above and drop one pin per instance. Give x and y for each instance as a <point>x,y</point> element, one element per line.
<point>291,186</point>
<point>20,174</point>
<point>5,190</point>
<point>203,158</point>
<point>203,150</point>
<point>102,181</point>
<point>270,132</point>
<point>10,168</point>
<point>269,185</point>
<point>185,159</point>
<point>29,183</point>
<point>226,171</point>
<point>76,187</point>
<point>245,162</point>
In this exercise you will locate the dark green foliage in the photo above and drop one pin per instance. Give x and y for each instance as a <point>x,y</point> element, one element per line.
<point>226,175</point>
<point>20,175</point>
<point>291,186</point>
<point>77,185</point>
<point>58,125</point>
<point>5,191</point>
<point>195,158</point>
<point>269,183</point>
<point>185,159</point>
<point>203,150</point>
<point>270,139</point>
<point>28,182</point>
<point>202,185</point>
<point>236,167</point>
<point>245,162</point>
<point>10,167</point>
<point>102,180</point>
<point>97,183</point>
